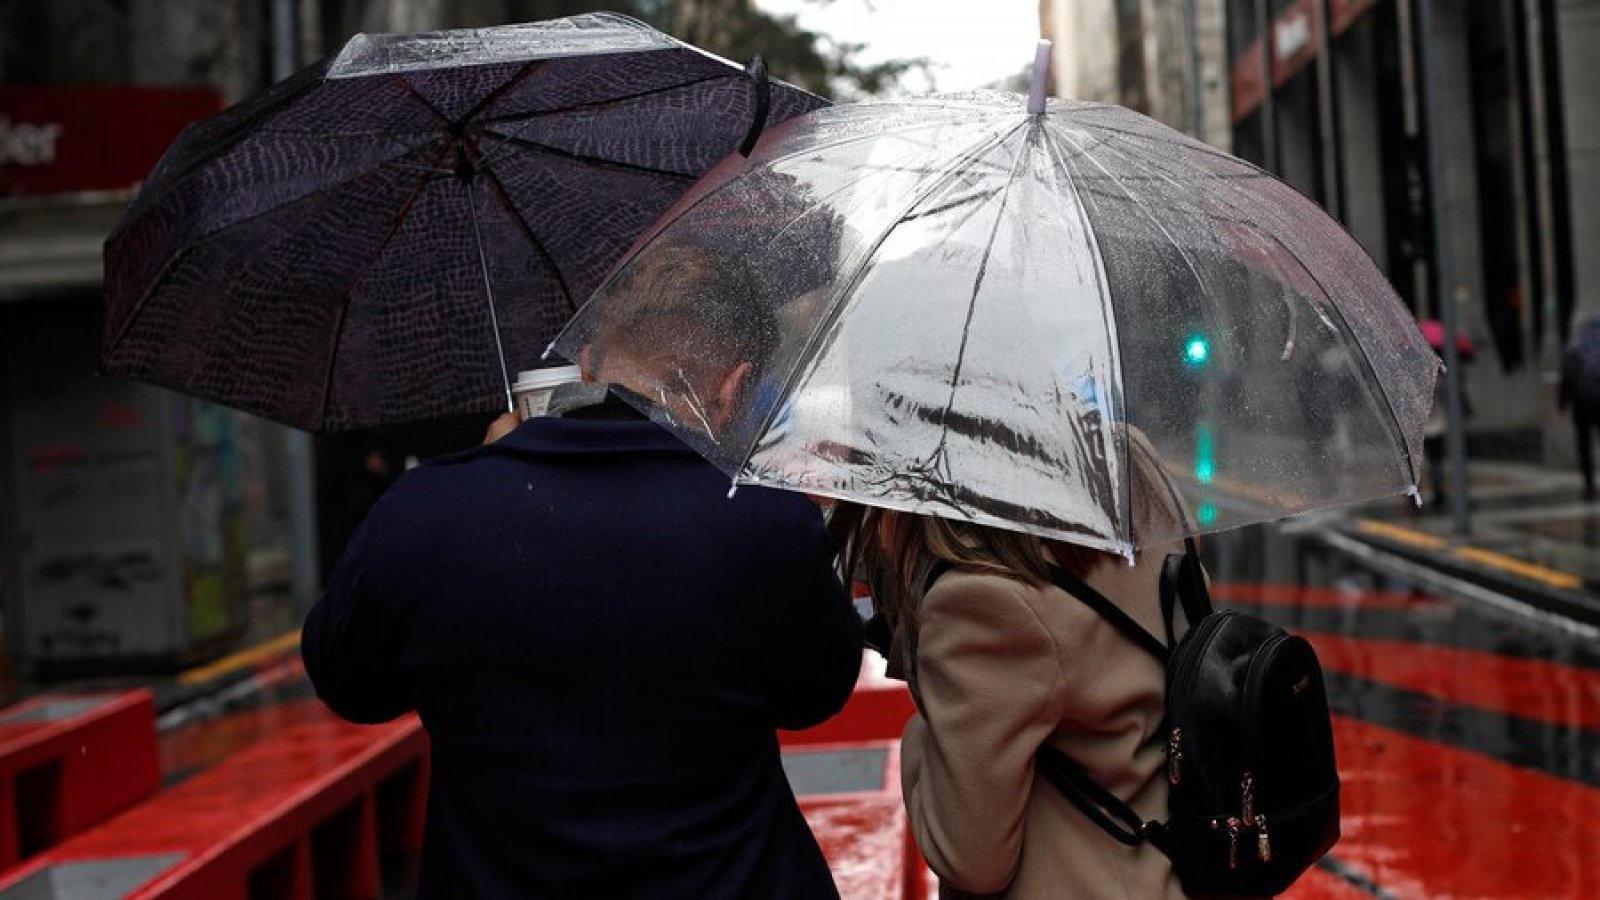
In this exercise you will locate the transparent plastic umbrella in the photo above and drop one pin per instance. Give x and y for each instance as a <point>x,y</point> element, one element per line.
<point>978,309</point>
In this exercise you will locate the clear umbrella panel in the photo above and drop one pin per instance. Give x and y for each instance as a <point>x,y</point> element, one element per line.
<point>981,311</point>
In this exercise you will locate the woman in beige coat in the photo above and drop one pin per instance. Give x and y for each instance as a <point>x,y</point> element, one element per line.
<point>1002,661</point>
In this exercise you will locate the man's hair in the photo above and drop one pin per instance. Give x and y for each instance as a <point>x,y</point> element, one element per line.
<point>698,306</point>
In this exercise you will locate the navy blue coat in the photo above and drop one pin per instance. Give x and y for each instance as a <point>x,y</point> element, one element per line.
<point>600,643</point>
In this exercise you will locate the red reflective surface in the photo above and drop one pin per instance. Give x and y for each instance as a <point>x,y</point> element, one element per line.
<point>1470,757</point>
<point>1297,595</point>
<point>1423,820</point>
<point>191,749</point>
<point>866,842</point>
<point>1529,688</point>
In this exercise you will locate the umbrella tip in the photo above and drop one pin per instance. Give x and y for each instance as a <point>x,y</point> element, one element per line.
<point>1041,76</point>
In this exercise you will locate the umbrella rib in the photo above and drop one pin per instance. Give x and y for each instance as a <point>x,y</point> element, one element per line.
<point>427,104</point>
<point>344,302</point>
<point>501,194</point>
<point>609,101</point>
<point>972,304</point>
<point>1109,319</point>
<point>1197,146</point>
<point>973,151</point>
<point>165,269</point>
<point>1344,324</point>
<point>591,160</point>
<point>1188,260</point>
<point>1181,191</point>
<point>1398,435</point>
<point>527,69</point>
<point>523,120</point>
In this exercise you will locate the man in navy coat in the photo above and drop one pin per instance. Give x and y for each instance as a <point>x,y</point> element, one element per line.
<point>600,643</point>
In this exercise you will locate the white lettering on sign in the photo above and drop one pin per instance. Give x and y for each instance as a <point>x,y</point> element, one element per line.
<point>27,144</point>
<point>1291,36</point>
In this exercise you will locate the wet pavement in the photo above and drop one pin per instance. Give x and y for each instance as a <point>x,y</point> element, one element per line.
<point>1468,733</point>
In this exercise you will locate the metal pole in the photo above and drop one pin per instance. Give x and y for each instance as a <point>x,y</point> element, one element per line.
<point>1197,112</point>
<point>1443,271</point>
<point>299,453</point>
<point>1328,114</point>
<point>1269,89</point>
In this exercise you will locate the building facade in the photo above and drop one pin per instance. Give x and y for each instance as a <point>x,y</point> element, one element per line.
<point>1164,58</point>
<point>1327,94</point>
<point>134,522</point>
<point>1330,95</point>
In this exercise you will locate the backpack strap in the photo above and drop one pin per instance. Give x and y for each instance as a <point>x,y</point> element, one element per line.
<point>1183,580</point>
<point>1109,611</point>
<point>1103,808</point>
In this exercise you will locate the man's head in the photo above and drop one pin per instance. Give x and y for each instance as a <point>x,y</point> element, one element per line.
<point>685,328</point>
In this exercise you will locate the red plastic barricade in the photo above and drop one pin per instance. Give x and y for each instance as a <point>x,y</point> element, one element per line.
<point>325,809</point>
<point>876,711</point>
<point>68,762</point>
<point>846,773</point>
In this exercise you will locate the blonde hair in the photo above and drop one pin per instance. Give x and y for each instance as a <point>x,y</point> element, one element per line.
<point>895,552</point>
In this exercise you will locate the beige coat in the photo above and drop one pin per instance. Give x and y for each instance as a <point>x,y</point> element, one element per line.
<point>1001,668</point>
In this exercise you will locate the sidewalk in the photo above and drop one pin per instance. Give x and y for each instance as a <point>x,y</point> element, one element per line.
<point>1533,538</point>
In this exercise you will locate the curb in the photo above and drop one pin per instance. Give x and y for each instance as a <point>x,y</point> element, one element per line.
<point>1551,591</point>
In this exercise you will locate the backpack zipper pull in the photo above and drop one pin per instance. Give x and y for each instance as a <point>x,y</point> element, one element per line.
<point>1263,843</point>
<point>1232,825</point>
<point>1247,791</point>
<point>1175,756</point>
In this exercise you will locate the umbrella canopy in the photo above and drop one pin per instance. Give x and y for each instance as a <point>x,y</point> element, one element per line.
<point>348,248</point>
<point>1012,300</point>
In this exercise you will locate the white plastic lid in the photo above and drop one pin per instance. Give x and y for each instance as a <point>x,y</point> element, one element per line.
<point>533,379</point>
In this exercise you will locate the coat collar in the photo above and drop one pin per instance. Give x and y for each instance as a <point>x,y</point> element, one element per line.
<point>587,436</point>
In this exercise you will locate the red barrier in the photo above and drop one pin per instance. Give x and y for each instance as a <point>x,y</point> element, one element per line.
<point>876,711</point>
<point>68,762</point>
<point>325,809</point>
<point>850,795</point>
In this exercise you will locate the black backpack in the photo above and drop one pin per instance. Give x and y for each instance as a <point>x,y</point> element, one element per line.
<point>1253,793</point>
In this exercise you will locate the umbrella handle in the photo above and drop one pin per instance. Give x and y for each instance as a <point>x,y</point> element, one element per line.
<point>756,71</point>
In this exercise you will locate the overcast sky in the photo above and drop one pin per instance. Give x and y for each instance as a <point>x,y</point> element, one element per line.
<point>972,44</point>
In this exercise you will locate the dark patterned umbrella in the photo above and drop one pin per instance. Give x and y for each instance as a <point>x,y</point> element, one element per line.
<point>383,237</point>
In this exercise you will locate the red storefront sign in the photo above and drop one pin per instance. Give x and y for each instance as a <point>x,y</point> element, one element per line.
<point>1344,13</point>
<point>57,139</point>
<point>1294,41</point>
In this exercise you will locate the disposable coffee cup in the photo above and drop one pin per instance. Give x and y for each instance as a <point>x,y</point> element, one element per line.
<point>531,392</point>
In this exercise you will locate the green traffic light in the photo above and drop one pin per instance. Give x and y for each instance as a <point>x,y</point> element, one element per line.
<point>1196,350</point>
<point>1205,454</point>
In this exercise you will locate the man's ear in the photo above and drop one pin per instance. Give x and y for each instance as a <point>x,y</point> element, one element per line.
<point>587,360</point>
<point>730,390</point>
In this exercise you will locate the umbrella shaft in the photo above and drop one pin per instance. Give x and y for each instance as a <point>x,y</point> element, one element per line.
<point>488,293</point>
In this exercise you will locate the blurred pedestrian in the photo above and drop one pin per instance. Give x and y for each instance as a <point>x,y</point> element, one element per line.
<point>600,642</point>
<point>1001,660</point>
<point>1579,390</point>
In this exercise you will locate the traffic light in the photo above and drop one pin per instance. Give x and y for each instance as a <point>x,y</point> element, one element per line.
<point>1196,350</point>
<point>1205,469</point>
<point>1205,454</point>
